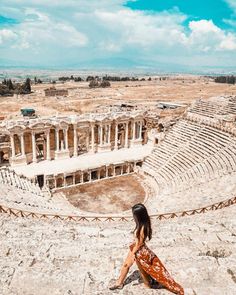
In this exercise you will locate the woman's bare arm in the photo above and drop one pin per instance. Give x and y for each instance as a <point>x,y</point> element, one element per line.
<point>138,242</point>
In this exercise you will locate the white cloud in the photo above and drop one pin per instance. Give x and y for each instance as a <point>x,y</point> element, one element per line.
<point>228,42</point>
<point>39,31</point>
<point>158,32</point>
<point>142,29</point>
<point>206,36</point>
<point>232,4</point>
<point>232,20</point>
<point>6,35</point>
<point>82,30</point>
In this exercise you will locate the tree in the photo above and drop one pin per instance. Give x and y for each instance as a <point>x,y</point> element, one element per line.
<point>93,84</point>
<point>226,79</point>
<point>27,86</point>
<point>4,91</point>
<point>78,79</point>
<point>10,85</point>
<point>105,84</point>
<point>90,78</point>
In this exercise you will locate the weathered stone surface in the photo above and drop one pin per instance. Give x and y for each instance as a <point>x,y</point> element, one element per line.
<point>193,166</point>
<point>53,257</point>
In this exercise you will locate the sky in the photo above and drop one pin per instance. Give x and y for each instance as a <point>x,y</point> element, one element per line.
<point>142,34</point>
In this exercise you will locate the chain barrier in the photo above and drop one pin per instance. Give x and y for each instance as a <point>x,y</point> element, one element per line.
<point>78,218</point>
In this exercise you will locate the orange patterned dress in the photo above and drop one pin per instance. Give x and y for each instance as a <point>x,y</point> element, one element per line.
<point>152,265</point>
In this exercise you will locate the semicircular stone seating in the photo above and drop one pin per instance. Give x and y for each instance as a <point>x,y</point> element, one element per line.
<point>20,193</point>
<point>191,153</point>
<point>194,151</point>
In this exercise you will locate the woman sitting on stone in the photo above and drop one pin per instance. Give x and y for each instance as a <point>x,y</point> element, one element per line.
<point>150,266</point>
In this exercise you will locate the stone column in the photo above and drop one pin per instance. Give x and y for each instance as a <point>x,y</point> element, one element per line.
<point>126,134</point>
<point>107,172</point>
<point>87,142</point>
<point>57,140</point>
<point>122,170</point>
<point>65,131</point>
<point>22,144</point>
<point>13,149</point>
<point>101,135</point>
<point>92,137</point>
<point>34,147</point>
<point>116,136</point>
<point>134,127</point>
<point>48,145</point>
<point>109,133</point>
<point>75,141</point>
<point>140,130</point>
<point>128,168</point>
<point>82,177</point>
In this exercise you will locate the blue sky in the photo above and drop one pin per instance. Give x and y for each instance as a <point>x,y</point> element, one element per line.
<point>171,34</point>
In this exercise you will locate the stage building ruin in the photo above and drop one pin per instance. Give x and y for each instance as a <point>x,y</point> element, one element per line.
<point>31,141</point>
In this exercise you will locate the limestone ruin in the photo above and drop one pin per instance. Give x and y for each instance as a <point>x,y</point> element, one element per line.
<point>65,199</point>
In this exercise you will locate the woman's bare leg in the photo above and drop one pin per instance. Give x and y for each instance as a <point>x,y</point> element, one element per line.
<point>125,268</point>
<point>146,278</point>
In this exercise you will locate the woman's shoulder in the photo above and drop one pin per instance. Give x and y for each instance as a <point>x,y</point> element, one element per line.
<point>141,234</point>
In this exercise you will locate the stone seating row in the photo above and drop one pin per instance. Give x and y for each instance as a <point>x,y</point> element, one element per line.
<point>208,153</point>
<point>20,193</point>
<point>195,195</point>
<point>44,256</point>
<point>213,108</point>
<point>24,200</point>
<point>8,176</point>
<point>183,172</point>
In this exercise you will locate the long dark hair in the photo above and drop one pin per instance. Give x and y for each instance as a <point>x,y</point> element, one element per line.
<point>142,219</point>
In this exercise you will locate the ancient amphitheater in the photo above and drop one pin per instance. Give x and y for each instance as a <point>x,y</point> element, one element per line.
<point>67,185</point>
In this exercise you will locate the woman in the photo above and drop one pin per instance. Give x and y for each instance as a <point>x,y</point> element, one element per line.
<point>149,264</point>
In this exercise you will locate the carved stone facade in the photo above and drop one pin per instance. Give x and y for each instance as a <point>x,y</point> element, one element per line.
<point>34,140</point>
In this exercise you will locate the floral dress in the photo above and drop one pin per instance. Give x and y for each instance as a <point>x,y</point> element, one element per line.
<point>152,265</point>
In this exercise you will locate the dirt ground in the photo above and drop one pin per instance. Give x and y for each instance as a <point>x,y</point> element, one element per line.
<point>83,99</point>
<point>107,196</point>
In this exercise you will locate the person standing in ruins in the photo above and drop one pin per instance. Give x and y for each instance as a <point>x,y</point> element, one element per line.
<point>150,266</point>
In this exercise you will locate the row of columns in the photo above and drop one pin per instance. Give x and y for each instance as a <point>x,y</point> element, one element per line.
<point>22,144</point>
<point>137,126</point>
<point>137,130</point>
<point>104,138</point>
<point>75,152</point>
<point>126,135</point>
<point>65,141</point>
